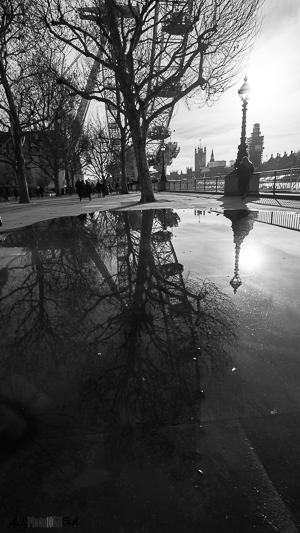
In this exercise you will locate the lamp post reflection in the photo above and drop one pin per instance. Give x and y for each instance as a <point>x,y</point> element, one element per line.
<point>242,224</point>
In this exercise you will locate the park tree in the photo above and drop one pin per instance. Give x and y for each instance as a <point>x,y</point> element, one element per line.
<point>99,157</point>
<point>27,58</point>
<point>65,144</point>
<point>119,135</point>
<point>155,53</point>
<point>13,41</point>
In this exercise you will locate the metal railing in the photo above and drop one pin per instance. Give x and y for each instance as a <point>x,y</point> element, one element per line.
<point>272,181</point>
<point>280,181</point>
<point>205,185</point>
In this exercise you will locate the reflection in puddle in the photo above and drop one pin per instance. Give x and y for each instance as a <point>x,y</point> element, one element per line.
<point>107,332</point>
<point>251,258</point>
<point>106,295</point>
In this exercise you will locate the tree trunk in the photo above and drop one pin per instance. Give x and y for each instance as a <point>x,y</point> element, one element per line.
<point>16,137</point>
<point>139,146</point>
<point>137,309</point>
<point>124,188</point>
<point>20,165</point>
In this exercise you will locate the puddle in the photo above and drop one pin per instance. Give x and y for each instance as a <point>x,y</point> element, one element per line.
<point>123,336</point>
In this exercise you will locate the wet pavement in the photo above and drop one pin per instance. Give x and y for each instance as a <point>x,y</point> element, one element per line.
<point>15,215</point>
<point>150,365</point>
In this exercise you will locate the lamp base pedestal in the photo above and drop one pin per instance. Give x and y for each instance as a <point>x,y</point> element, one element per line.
<point>161,186</point>
<point>231,185</point>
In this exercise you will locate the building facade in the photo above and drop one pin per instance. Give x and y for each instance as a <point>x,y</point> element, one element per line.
<point>200,159</point>
<point>282,161</point>
<point>256,146</point>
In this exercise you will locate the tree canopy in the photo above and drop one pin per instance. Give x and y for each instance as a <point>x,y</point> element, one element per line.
<point>155,53</point>
<point>137,58</point>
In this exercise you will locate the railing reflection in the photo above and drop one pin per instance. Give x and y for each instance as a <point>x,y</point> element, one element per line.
<point>284,219</point>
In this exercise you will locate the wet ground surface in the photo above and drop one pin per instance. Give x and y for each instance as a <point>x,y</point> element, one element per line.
<point>150,372</point>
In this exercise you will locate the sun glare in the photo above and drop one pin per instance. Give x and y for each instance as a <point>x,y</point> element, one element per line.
<point>250,258</point>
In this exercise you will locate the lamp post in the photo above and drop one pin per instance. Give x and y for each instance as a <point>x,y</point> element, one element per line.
<point>163,173</point>
<point>244,93</point>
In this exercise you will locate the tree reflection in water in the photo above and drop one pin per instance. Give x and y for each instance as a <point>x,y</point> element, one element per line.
<point>99,307</point>
<point>105,342</point>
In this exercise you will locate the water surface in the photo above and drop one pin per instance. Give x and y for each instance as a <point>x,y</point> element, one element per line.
<point>128,341</point>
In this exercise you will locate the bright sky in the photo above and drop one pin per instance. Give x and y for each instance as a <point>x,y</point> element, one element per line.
<point>273,72</point>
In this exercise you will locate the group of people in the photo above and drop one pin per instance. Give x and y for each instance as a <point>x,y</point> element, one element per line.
<point>5,192</point>
<point>103,190</point>
<point>85,189</point>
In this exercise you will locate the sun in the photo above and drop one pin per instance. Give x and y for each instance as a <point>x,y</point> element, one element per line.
<point>250,257</point>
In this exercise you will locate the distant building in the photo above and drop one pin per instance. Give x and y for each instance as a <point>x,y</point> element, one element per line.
<point>200,159</point>
<point>280,162</point>
<point>215,167</point>
<point>188,175</point>
<point>174,175</point>
<point>256,146</point>
<point>38,168</point>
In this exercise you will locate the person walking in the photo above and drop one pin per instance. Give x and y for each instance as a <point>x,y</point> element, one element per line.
<point>98,188</point>
<point>4,194</point>
<point>79,188</point>
<point>88,190</point>
<point>244,173</point>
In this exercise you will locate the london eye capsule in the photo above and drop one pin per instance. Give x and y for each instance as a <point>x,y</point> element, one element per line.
<point>159,133</point>
<point>171,269</point>
<point>178,23</point>
<point>115,143</point>
<point>126,10</point>
<point>152,161</point>
<point>161,236</point>
<point>171,91</point>
<point>98,14</point>
<point>113,126</point>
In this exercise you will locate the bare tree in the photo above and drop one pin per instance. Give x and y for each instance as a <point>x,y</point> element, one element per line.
<point>26,60</point>
<point>99,155</point>
<point>157,53</point>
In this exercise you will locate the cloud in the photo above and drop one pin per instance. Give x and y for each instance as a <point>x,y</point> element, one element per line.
<point>279,15</point>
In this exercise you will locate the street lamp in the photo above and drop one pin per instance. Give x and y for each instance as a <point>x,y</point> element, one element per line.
<point>244,93</point>
<point>163,173</point>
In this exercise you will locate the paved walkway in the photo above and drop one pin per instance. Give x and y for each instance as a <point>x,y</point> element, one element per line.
<point>15,215</point>
<point>213,471</point>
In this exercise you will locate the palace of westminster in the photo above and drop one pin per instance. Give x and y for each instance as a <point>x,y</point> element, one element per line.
<point>255,149</point>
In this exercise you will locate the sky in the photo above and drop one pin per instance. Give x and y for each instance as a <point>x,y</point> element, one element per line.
<point>273,71</point>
